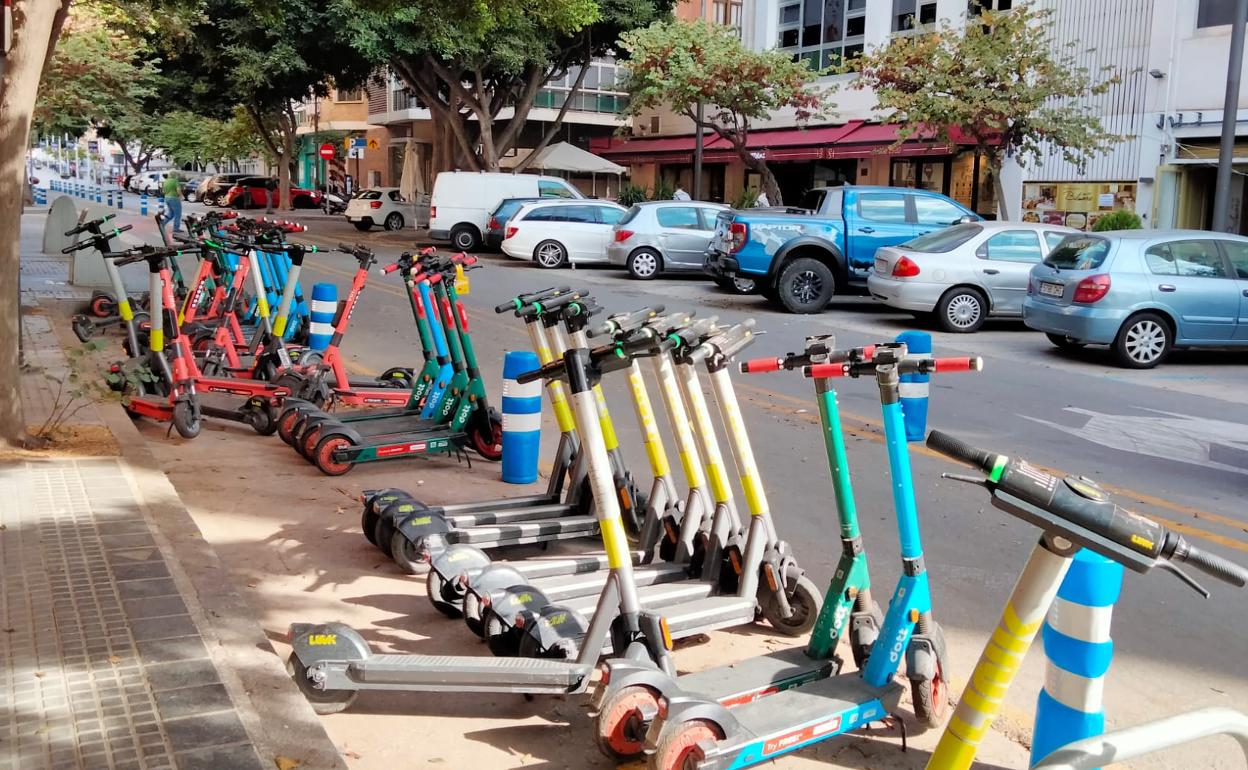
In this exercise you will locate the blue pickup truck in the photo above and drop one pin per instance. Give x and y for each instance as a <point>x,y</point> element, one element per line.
<point>801,260</point>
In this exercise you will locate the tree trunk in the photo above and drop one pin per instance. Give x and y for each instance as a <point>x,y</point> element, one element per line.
<point>283,168</point>
<point>771,188</point>
<point>34,22</point>
<point>998,189</point>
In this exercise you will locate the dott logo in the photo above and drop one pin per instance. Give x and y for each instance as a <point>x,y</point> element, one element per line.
<point>322,640</point>
<point>895,653</point>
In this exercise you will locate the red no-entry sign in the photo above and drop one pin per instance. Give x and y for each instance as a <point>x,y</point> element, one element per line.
<point>327,151</point>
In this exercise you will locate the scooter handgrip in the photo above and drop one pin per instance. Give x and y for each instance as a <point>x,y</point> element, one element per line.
<point>761,365</point>
<point>552,369</point>
<point>963,364</point>
<point>428,250</point>
<point>467,260</point>
<point>1211,564</point>
<point>514,304</point>
<point>956,448</point>
<point>388,269</point>
<point>822,371</point>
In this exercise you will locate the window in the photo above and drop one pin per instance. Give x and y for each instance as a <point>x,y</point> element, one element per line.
<point>546,214</point>
<point>1078,253</point>
<point>1197,259</point>
<point>812,200</point>
<point>548,189</point>
<point>823,32</point>
<point>976,7</point>
<point>608,215</point>
<point>790,14</point>
<point>654,124</point>
<point>727,12</point>
<point>907,14</point>
<point>581,214</point>
<point>1051,239</point>
<point>936,212</point>
<point>352,95</point>
<point>709,217</point>
<point>1215,13</point>
<point>683,217</point>
<point>395,196</point>
<point>882,207</point>
<point>1013,246</point>
<point>1160,261</point>
<point>943,241</point>
<point>1237,251</point>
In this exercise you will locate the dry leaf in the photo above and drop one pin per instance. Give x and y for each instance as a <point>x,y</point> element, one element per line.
<point>114,660</point>
<point>351,754</point>
<point>286,763</point>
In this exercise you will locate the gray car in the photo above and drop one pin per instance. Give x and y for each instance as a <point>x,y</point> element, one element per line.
<point>659,236</point>
<point>964,273</point>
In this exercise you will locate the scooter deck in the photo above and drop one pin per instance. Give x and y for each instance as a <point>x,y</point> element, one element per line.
<point>532,513</point>
<point>491,536</point>
<point>661,595</point>
<point>746,680</point>
<point>560,588</point>
<point>687,615</point>
<point>458,673</point>
<point>548,566</point>
<point>380,431</point>
<point>503,504</point>
<point>787,720</point>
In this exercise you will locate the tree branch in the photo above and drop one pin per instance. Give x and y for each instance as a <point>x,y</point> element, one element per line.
<point>556,125</point>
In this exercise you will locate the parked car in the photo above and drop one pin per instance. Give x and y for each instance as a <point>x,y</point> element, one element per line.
<point>213,189</point>
<point>496,225</point>
<point>380,206</point>
<point>559,233</point>
<point>190,186</point>
<point>1142,292</point>
<point>800,261</point>
<point>253,192</point>
<point>460,207</point>
<point>147,181</point>
<point>659,236</point>
<point>963,273</point>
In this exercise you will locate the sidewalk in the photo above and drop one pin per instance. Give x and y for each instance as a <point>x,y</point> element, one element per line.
<point>122,647</point>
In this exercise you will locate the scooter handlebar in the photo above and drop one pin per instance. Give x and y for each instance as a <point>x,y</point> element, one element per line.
<point>761,365</point>
<point>1210,563</point>
<point>80,245</point>
<point>85,226</point>
<point>625,322</point>
<point>957,449</point>
<point>390,268</point>
<point>520,301</point>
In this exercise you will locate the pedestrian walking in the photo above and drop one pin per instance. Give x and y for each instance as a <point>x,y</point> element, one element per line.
<point>761,201</point>
<point>171,188</point>
<point>680,194</point>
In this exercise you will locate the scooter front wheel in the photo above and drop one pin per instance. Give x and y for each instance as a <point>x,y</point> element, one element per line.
<point>487,439</point>
<point>263,419</point>
<point>103,306</point>
<point>472,614</point>
<point>804,601</point>
<point>286,423</point>
<point>186,419</point>
<point>438,589</point>
<point>678,746</point>
<point>931,696</point>
<point>322,701</point>
<point>83,327</point>
<point>368,523</point>
<point>620,728</point>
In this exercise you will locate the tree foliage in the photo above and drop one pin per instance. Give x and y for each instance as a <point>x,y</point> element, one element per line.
<point>190,139</point>
<point>1002,81</point>
<point>681,64</point>
<point>468,62</point>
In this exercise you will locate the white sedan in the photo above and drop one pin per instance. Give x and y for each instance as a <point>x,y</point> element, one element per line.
<point>559,233</point>
<point>383,206</point>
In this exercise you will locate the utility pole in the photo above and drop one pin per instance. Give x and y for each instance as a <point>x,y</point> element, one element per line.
<point>698,143</point>
<point>1230,114</point>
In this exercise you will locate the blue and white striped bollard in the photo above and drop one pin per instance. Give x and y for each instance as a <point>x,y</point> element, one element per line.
<point>914,387</point>
<point>143,205</point>
<point>321,317</point>
<point>522,418</point>
<point>1079,649</point>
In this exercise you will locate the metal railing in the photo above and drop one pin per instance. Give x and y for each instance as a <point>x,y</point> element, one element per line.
<point>1131,742</point>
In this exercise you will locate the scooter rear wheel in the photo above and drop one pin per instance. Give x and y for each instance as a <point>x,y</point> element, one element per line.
<point>411,557</point>
<point>620,728</point>
<point>488,441</point>
<point>678,746</point>
<point>383,534</point>
<point>102,306</point>
<point>368,523</point>
<point>437,589</point>
<point>323,455</point>
<point>804,600</point>
<point>322,701</point>
<point>186,419</point>
<point>309,440</point>
<point>472,614</point>
<point>931,696</point>
<point>84,328</point>
<point>286,424</point>
<point>263,419</point>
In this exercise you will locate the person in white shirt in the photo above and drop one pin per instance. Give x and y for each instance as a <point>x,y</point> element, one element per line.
<point>680,194</point>
<point>761,201</point>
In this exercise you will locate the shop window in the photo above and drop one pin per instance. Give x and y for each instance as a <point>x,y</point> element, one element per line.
<point>935,212</point>
<point>882,207</point>
<point>1013,246</point>
<point>1215,13</point>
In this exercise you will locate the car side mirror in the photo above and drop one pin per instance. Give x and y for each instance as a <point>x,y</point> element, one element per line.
<point>966,220</point>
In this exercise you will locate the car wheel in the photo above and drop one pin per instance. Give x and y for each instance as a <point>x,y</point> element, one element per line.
<point>961,310</point>
<point>644,264</point>
<point>363,225</point>
<point>1063,342</point>
<point>806,285</point>
<point>550,254</point>
<point>191,197</point>
<point>465,238</point>
<point>1143,341</point>
<point>395,221</point>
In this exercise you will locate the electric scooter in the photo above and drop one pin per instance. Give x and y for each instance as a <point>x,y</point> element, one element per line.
<point>84,326</point>
<point>331,663</point>
<point>693,728</point>
<point>1072,512</point>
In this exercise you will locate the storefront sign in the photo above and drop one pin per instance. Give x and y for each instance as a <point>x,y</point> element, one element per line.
<point>1075,204</point>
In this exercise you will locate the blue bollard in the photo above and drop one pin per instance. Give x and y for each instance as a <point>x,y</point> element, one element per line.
<point>1079,649</point>
<point>522,418</point>
<point>914,387</point>
<point>143,205</point>
<point>99,195</point>
<point>324,307</point>
<point>121,199</point>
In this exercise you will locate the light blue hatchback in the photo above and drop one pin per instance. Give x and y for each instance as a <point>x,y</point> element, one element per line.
<point>1143,292</point>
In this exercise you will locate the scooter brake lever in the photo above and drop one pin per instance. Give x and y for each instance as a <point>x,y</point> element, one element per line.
<point>1169,566</point>
<point>977,481</point>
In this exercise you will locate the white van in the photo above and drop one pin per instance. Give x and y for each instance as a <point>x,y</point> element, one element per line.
<point>462,201</point>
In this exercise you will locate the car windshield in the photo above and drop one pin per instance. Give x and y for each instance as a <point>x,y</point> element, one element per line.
<point>944,240</point>
<point>509,207</point>
<point>1078,252</point>
<point>630,215</point>
<point>370,195</point>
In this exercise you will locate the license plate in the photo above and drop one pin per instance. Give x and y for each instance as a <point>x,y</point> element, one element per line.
<point>881,265</point>
<point>1051,289</point>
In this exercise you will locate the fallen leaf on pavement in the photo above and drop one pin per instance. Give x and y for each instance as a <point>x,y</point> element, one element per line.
<point>114,659</point>
<point>286,763</point>
<point>351,754</point>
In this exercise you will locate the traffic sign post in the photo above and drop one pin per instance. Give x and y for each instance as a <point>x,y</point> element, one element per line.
<point>327,151</point>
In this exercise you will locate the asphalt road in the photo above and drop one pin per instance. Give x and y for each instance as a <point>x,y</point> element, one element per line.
<point>1171,443</point>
